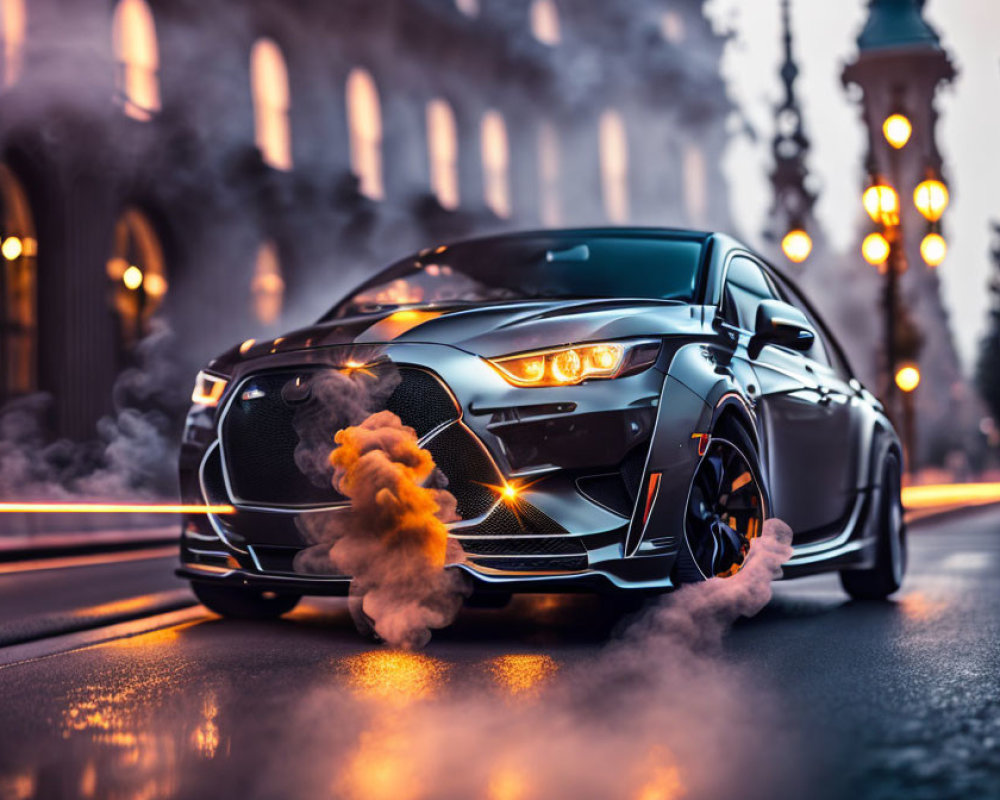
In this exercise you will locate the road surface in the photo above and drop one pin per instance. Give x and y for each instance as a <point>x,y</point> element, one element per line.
<point>151,696</point>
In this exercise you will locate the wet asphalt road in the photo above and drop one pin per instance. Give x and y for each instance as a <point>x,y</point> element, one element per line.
<point>890,700</point>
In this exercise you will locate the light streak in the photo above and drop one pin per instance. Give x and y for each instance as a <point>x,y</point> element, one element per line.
<point>947,494</point>
<point>113,508</point>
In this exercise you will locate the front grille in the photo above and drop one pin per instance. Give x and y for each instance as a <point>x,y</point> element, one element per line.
<point>522,549</point>
<point>259,439</point>
<point>561,563</point>
<point>550,545</point>
<point>469,469</point>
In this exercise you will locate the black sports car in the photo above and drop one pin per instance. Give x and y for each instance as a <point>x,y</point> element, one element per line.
<point>613,409</point>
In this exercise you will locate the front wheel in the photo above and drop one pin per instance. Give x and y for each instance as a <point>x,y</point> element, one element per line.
<point>239,603</point>
<point>886,575</point>
<point>725,511</point>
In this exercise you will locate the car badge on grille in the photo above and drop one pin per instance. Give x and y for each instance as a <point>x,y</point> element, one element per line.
<point>252,394</point>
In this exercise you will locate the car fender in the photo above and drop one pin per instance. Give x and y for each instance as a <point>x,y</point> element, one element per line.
<point>700,386</point>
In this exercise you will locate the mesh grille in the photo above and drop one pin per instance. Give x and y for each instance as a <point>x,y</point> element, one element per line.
<point>460,457</point>
<point>421,402</point>
<point>260,440</point>
<point>534,564</point>
<point>554,545</point>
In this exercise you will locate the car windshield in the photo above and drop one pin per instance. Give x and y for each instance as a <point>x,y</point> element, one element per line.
<point>559,265</point>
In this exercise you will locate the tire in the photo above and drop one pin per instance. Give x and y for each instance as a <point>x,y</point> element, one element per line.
<point>886,575</point>
<point>236,602</point>
<point>729,544</point>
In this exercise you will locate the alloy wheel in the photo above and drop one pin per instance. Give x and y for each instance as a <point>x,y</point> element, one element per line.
<point>725,510</point>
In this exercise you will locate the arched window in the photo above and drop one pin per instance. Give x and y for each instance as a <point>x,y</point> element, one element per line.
<point>442,147</point>
<point>137,59</point>
<point>137,269</point>
<point>364,122</point>
<point>268,286</point>
<point>548,174</point>
<point>14,19</point>
<point>18,294</point>
<point>496,163</point>
<point>468,7</point>
<point>271,102</point>
<point>614,166</point>
<point>545,21</point>
<point>695,189</point>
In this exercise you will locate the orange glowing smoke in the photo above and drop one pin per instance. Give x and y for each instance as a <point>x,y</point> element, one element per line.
<point>112,508</point>
<point>394,542</point>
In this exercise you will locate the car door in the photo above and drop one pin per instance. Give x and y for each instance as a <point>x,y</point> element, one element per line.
<point>801,415</point>
<point>842,418</point>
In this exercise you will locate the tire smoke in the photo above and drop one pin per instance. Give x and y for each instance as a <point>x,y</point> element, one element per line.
<point>392,540</point>
<point>660,713</point>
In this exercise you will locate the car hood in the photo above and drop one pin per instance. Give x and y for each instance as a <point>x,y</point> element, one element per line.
<point>490,330</point>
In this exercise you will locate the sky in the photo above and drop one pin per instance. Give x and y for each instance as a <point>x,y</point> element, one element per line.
<point>824,40</point>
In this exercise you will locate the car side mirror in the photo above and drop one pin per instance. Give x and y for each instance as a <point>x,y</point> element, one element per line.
<point>781,324</point>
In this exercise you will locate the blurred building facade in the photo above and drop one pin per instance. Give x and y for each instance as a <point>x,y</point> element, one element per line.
<point>231,167</point>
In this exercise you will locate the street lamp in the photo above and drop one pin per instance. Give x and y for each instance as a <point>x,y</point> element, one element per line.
<point>882,204</point>
<point>931,199</point>
<point>897,129</point>
<point>797,245</point>
<point>908,378</point>
<point>933,249</point>
<point>875,249</point>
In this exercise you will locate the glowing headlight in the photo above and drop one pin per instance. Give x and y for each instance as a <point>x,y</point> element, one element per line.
<point>565,366</point>
<point>208,389</point>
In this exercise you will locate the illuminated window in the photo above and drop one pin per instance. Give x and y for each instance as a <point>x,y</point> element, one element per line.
<point>672,27</point>
<point>364,121</point>
<point>136,269</point>
<point>442,146</point>
<point>548,174</point>
<point>468,7</point>
<point>545,21</point>
<point>695,190</point>
<point>18,294</point>
<point>14,19</point>
<point>614,166</point>
<point>268,286</point>
<point>496,163</point>
<point>137,59</point>
<point>269,85</point>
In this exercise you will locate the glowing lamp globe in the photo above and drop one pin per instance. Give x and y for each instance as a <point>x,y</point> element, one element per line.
<point>931,199</point>
<point>797,245</point>
<point>875,249</point>
<point>907,378</point>
<point>933,249</point>
<point>132,278</point>
<point>897,130</point>
<point>882,204</point>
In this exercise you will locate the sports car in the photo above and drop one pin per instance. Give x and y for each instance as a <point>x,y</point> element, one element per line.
<point>614,411</point>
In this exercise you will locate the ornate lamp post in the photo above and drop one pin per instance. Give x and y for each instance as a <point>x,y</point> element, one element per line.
<point>899,66</point>
<point>792,211</point>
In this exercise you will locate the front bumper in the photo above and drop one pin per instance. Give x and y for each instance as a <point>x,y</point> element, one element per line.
<point>581,452</point>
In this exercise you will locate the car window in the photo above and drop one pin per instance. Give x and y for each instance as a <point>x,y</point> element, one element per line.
<point>746,286</point>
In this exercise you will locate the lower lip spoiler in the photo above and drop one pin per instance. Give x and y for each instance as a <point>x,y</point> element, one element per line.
<point>590,581</point>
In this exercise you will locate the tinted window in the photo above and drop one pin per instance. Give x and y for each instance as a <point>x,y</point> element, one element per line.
<point>746,286</point>
<point>560,265</point>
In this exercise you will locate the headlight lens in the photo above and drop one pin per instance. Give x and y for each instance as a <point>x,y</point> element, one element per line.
<point>208,389</point>
<point>566,366</point>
